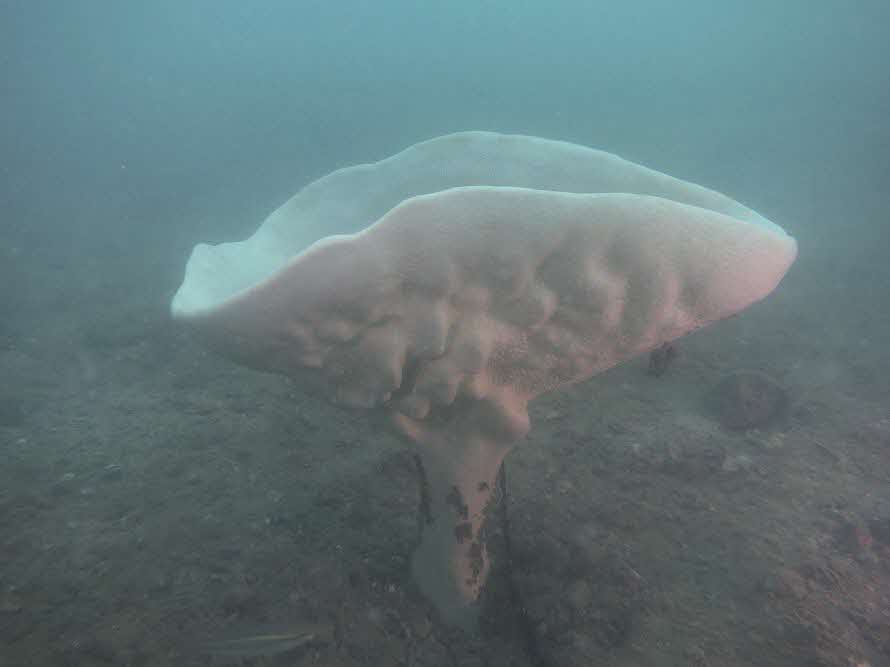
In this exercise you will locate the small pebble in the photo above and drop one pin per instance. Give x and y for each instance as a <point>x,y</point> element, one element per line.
<point>737,463</point>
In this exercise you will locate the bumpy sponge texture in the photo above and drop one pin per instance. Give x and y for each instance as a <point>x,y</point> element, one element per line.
<point>486,291</point>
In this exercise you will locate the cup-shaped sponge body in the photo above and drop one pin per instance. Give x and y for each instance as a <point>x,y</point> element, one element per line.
<point>477,263</point>
<point>452,283</point>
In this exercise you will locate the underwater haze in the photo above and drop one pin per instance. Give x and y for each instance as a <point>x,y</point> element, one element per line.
<point>724,500</point>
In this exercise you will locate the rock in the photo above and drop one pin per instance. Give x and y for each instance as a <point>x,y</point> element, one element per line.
<point>787,583</point>
<point>239,601</point>
<point>579,595</point>
<point>747,399</point>
<point>8,606</point>
<point>661,358</point>
<point>880,530</point>
<point>736,463</point>
<point>855,537</point>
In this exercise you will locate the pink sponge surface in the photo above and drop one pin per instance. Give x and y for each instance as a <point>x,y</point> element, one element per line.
<point>489,292</point>
<point>454,282</point>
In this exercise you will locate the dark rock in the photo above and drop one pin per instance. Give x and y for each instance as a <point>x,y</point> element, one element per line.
<point>880,530</point>
<point>786,583</point>
<point>661,358</point>
<point>240,601</point>
<point>854,537</point>
<point>747,400</point>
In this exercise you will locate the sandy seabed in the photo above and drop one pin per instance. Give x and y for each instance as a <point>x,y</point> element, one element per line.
<point>154,497</point>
